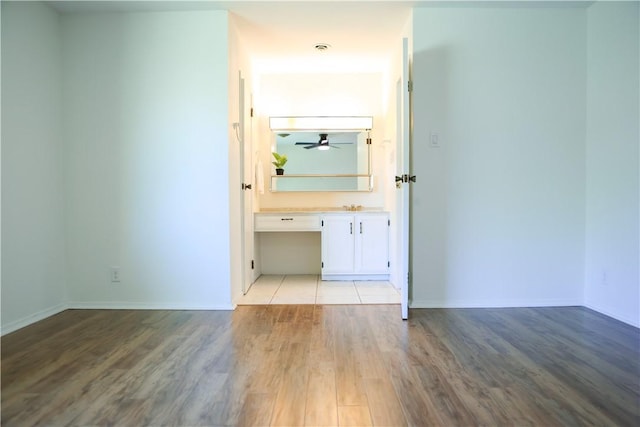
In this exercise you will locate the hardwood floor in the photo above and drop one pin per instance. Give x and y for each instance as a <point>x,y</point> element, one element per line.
<point>323,366</point>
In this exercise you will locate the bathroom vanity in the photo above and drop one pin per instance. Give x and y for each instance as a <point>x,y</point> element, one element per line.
<point>354,245</point>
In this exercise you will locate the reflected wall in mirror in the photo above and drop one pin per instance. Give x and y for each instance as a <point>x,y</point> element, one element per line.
<point>323,161</point>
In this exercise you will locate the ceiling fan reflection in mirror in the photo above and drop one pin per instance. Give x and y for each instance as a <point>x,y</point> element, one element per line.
<point>322,144</point>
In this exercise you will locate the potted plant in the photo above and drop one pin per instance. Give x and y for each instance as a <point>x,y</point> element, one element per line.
<point>280,161</point>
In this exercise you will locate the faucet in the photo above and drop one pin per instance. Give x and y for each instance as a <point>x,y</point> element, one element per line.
<point>352,208</point>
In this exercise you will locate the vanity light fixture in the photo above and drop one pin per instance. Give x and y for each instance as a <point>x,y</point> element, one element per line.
<point>321,123</point>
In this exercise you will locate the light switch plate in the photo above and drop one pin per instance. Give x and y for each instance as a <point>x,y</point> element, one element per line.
<point>434,140</point>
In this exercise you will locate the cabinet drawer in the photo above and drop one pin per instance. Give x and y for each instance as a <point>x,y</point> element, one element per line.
<point>284,222</point>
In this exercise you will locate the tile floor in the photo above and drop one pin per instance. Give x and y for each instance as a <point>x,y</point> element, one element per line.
<point>309,289</point>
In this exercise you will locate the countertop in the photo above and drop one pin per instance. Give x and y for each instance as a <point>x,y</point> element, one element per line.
<point>321,209</point>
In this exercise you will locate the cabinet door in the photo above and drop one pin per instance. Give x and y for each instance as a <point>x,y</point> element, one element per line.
<point>372,244</point>
<point>338,232</point>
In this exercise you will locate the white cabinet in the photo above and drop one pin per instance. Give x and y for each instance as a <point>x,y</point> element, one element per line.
<point>372,244</point>
<point>338,254</point>
<point>355,246</point>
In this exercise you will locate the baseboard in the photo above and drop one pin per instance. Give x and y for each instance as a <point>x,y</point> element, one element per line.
<point>519,304</point>
<point>88,305</point>
<point>632,322</point>
<point>41,315</point>
<point>33,318</point>
<point>494,303</point>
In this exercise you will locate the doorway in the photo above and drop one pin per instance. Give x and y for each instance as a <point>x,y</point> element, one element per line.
<point>328,86</point>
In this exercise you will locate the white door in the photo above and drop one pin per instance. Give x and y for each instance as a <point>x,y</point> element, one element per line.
<point>403,176</point>
<point>338,244</point>
<point>246,176</point>
<point>372,244</point>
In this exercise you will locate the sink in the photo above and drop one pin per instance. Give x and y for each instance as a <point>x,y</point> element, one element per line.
<point>352,208</point>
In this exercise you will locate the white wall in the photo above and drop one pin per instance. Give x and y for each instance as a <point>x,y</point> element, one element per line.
<point>499,208</point>
<point>612,215</point>
<point>33,239</point>
<point>147,164</point>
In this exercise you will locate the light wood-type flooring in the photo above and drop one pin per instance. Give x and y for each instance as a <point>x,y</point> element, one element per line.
<point>314,365</point>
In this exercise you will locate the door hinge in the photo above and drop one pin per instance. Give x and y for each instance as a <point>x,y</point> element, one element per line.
<point>410,86</point>
<point>388,263</point>
<point>252,265</point>
<point>389,222</point>
<point>322,264</point>
<point>322,223</point>
<point>246,186</point>
<point>251,112</point>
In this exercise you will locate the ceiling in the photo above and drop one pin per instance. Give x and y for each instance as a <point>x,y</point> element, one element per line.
<point>280,35</point>
<point>361,35</point>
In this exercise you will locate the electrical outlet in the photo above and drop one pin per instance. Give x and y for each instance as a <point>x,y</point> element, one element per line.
<point>115,274</point>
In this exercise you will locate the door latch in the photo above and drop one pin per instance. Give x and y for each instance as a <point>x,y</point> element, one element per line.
<point>405,178</point>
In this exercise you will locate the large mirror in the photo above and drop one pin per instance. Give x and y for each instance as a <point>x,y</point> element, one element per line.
<point>323,161</point>
<point>323,153</point>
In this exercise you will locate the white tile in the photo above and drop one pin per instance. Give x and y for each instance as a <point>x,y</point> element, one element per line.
<point>298,290</point>
<point>336,283</point>
<point>338,292</point>
<point>340,299</point>
<point>305,280</point>
<point>260,293</point>
<point>380,299</point>
<point>308,289</point>
<point>268,279</point>
<point>265,285</point>
<point>373,284</point>
<point>263,288</point>
<point>377,292</point>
